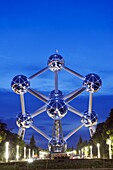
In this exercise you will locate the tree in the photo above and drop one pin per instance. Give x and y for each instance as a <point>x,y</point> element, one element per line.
<point>32,142</point>
<point>3,128</point>
<point>99,137</point>
<point>108,127</point>
<point>80,143</point>
<point>103,132</point>
<point>13,139</point>
<point>33,146</point>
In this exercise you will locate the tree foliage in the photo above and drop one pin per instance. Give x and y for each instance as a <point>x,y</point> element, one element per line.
<point>3,128</point>
<point>103,132</point>
<point>81,144</point>
<point>13,139</point>
<point>108,128</point>
<point>32,142</point>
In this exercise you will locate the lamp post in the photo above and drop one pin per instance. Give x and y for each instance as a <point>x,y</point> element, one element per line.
<point>7,151</point>
<point>29,153</point>
<point>79,152</point>
<point>109,143</point>
<point>32,153</point>
<point>82,150</point>
<point>24,152</point>
<point>98,150</point>
<point>17,152</point>
<point>91,155</point>
<point>86,151</point>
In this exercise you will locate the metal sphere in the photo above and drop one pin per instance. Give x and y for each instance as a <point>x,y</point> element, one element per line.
<point>56,106</point>
<point>20,84</point>
<point>92,82</point>
<point>55,62</point>
<point>59,146</point>
<point>24,120</point>
<point>89,119</point>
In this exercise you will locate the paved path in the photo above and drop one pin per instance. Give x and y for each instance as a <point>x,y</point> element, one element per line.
<point>85,169</point>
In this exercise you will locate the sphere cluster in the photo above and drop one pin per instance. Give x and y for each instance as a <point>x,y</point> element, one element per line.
<point>24,120</point>
<point>56,106</point>
<point>55,62</point>
<point>92,82</point>
<point>89,119</point>
<point>57,146</point>
<point>20,84</point>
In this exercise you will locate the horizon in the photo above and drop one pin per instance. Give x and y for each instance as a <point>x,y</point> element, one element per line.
<point>69,122</point>
<point>30,32</point>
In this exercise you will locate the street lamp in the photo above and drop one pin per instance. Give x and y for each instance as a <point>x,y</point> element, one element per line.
<point>91,155</point>
<point>7,151</point>
<point>98,150</point>
<point>86,151</point>
<point>82,150</point>
<point>32,153</point>
<point>24,152</point>
<point>109,143</point>
<point>29,153</point>
<point>17,152</point>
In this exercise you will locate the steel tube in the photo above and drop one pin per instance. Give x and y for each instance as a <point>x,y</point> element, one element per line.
<point>73,72</point>
<point>38,73</point>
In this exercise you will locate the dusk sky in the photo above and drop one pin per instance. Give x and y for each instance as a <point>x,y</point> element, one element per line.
<point>30,31</point>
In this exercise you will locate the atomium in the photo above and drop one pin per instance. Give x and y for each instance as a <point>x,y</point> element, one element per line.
<point>20,84</point>
<point>56,104</point>
<point>57,146</point>
<point>89,119</point>
<point>92,82</point>
<point>55,62</point>
<point>24,120</point>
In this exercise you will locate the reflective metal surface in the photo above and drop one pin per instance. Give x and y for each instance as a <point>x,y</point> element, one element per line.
<point>20,84</point>
<point>92,82</point>
<point>57,147</point>
<point>89,119</point>
<point>24,120</point>
<point>55,62</point>
<point>56,106</point>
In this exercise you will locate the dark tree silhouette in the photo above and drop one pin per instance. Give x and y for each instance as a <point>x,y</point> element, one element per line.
<point>32,142</point>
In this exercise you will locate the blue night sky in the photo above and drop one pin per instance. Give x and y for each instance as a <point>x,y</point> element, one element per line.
<point>30,31</point>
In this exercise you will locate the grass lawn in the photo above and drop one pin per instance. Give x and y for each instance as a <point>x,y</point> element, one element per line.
<point>59,164</point>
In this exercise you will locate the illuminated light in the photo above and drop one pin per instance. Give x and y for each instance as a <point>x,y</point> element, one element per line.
<point>32,153</point>
<point>30,160</point>
<point>75,152</point>
<point>79,152</point>
<point>42,154</point>
<point>7,151</point>
<point>110,152</point>
<point>86,151</point>
<point>91,154</point>
<point>29,153</point>
<point>82,150</point>
<point>24,152</point>
<point>98,150</point>
<point>17,152</point>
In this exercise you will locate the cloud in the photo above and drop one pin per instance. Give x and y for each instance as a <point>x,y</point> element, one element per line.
<point>10,107</point>
<point>45,82</point>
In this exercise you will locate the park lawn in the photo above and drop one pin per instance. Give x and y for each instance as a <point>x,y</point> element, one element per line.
<point>59,164</point>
